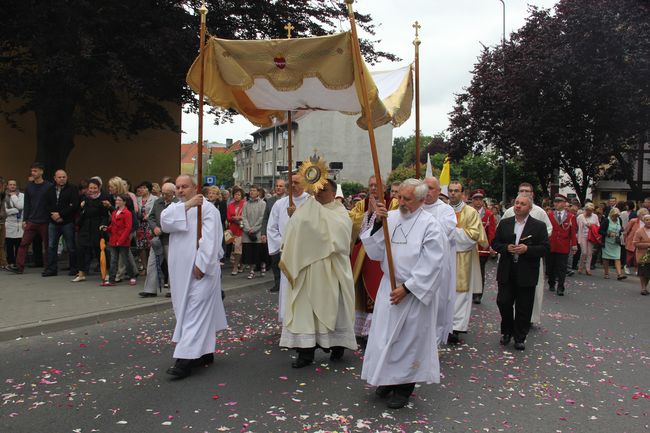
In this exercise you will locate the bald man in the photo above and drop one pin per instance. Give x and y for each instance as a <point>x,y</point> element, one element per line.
<point>157,263</point>
<point>62,203</point>
<point>195,277</point>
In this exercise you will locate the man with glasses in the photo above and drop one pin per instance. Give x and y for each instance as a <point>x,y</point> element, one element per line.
<point>468,235</point>
<point>539,214</point>
<point>402,347</point>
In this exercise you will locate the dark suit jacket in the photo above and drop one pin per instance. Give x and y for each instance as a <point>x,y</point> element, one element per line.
<point>528,263</point>
<point>154,217</point>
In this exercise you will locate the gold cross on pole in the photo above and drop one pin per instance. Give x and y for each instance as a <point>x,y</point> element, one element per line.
<point>417,28</point>
<point>288,28</point>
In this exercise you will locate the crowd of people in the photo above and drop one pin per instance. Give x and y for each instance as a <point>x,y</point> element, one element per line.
<point>396,271</point>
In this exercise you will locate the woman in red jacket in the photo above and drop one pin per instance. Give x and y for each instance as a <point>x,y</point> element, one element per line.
<point>119,240</point>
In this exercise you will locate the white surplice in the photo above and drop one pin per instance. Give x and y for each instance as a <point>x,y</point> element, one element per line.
<point>446,298</point>
<point>402,342</point>
<point>278,220</point>
<point>539,214</point>
<point>197,303</point>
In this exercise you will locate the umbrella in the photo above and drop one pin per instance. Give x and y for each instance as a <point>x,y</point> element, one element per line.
<point>102,258</point>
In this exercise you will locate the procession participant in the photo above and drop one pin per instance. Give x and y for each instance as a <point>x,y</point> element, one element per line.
<point>469,233</point>
<point>280,192</point>
<point>539,214</point>
<point>195,276</point>
<point>402,346</point>
<point>490,227</point>
<point>447,218</point>
<point>522,241</point>
<point>562,240</point>
<point>319,309</point>
<point>367,273</point>
<point>275,230</point>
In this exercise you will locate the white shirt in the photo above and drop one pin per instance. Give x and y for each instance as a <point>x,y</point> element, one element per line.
<point>519,229</point>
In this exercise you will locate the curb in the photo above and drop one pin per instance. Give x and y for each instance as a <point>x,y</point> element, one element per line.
<point>70,322</point>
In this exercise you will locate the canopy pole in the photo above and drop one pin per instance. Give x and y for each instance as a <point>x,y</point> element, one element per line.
<point>288,28</point>
<point>371,134</point>
<point>203,10</point>
<point>416,43</point>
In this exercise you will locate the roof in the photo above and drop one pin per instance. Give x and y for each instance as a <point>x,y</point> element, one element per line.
<point>295,116</point>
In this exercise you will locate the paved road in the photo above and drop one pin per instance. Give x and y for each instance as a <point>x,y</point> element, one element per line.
<point>586,369</point>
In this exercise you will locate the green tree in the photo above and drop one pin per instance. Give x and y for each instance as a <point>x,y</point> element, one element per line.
<point>398,151</point>
<point>400,174</point>
<point>222,166</point>
<point>351,188</point>
<point>83,67</point>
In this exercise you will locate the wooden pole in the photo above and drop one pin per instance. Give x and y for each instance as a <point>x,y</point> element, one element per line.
<point>203,10</point>
<point>371,134</point>
<point>416,42</point>
<point>290,156</point>
<point>288,28</point>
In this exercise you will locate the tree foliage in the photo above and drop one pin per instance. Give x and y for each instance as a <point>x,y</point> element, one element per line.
<point>222,166</point>
<point>569,91</point>
<point>351,188</point>
<point>115,67</point>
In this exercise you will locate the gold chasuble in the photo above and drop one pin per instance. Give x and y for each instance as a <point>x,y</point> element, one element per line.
<point>315,260</point>
<point>467,274</point>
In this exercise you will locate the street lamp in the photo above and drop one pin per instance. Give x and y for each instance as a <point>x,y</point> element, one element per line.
<point>503,53</point>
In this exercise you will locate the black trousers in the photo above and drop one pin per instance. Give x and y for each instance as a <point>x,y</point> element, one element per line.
<point>515,322</point>
<point>11,245</point>
<point>576,258</point>
<point>275,262</point>
<point>556,265</point>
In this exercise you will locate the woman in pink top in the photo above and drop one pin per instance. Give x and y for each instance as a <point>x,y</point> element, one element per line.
<point>586,220</point>
<point>630,229</point>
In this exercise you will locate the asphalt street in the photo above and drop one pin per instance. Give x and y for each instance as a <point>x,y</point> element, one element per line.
<point>586,369</point>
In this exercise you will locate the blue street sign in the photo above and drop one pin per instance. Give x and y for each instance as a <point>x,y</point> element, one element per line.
<point>210,180</point>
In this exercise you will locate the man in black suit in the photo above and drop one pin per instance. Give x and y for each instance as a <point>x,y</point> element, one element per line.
<point>521,241</point>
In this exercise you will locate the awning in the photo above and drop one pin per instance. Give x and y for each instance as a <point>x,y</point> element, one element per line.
<point>263,79</point>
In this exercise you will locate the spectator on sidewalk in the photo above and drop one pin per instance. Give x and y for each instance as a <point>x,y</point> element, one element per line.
<point>630,229</point>
<point>3,229</point>
<point>118,186</point>
<point>152,283</point>
<point>235,211</point>
<point>14,203</point>
<point>611,230</point>
<point>252,225</point>
<point>642,243</point>
<point>144,234</point>
<point>119,240</point>
<point>62,203</point>
<point>585,221</point>
<point>92,216</point>
<point>36,217</point>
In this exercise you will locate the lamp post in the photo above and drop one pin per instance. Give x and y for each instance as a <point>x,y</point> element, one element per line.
<point>503,53</point>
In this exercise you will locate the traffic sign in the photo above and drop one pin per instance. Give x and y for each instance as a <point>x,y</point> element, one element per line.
<point>209,180</point>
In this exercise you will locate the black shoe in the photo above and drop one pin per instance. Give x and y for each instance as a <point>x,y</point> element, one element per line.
<point>519,345</point>
<point>397,401</point>
<point>168,295</point>
<point>147,295</point>
<point>560,291</point>
<point>453,338</point>
<point>505,339</point>
<point>551,288</point>
<point>337,353</point>
<point>570,273</point>
<point>301,362</point>
<point>204,360</point>
<point>383,391</point>
<point>274,289</point>
<point>476,299</point>
<point>181,369</point>
<point>49,274</point>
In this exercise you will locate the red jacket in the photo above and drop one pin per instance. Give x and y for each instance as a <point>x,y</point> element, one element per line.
<point>120,228</point>
<point>564,235</point>
<point>490,226</point>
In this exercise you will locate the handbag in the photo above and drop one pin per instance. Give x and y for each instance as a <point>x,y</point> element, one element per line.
<point>228,237</point>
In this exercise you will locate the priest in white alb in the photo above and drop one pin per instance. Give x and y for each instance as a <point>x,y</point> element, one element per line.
<point>278,219</point>
<point>539,214</point>
<point>447,218</point>
<point>468,235</point>
<point>319,309</point>
<point>402,347</point>
<point>195,275</point>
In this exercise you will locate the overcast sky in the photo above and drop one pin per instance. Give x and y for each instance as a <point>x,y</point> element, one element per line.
<point>452,32</point>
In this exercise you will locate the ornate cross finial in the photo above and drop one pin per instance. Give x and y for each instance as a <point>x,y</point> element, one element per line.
<point>417,28</point>
<point>288,28</point>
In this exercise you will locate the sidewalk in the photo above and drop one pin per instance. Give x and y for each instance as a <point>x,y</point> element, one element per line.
<point>31,304</point>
